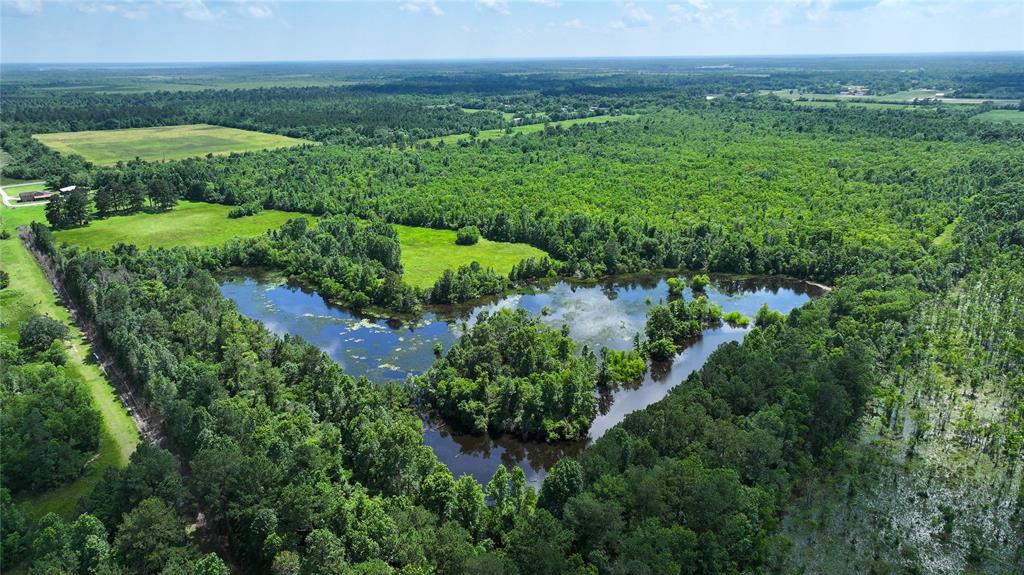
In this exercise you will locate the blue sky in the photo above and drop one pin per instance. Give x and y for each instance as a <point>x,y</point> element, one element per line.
<point>256,30</point>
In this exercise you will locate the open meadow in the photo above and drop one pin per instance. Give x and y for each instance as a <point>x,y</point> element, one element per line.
<point>426,253</point>
<point>529,128</point>
<point>188,224</point>
<point>163,143</point>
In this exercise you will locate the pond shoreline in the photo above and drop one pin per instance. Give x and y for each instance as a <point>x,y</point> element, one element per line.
<point>599,313</point>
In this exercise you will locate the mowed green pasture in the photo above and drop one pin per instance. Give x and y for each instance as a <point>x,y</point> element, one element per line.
<point>107,147</point>
<point>188,224</point>
<point>426,253</point>
<point>528,128</point>
<point>1012,116</point>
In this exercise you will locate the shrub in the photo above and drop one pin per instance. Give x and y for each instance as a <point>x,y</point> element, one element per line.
<point>736,319</point>
<point>621,367</point>
<point>675,287</point>
<point>39,332</point>
<point>249,209</point>
<point>467,236</point>
<point>699,282</point>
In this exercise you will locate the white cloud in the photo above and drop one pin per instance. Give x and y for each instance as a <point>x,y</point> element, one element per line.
<point>700,5</point>
<point>633,16</point>
<point>548,3</point>
<point>575,24</point>
<point>499,6</point>
<point>196,10</point>
<point>258,11</point>
<point>129,10</point>
<point>25,7</point>
<point>417,6</point>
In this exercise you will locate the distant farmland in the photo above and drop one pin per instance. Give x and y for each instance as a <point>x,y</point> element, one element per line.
<point>107,147</point>
<point>529,128</point>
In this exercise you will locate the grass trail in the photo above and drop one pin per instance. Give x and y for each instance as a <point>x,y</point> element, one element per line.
<point>30,293</point>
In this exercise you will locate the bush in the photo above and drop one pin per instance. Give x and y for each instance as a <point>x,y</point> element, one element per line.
<point>5,279</point>
<point>467,236</point>
<point>736,319</point>
<point>621,367</point>
<point>39,332</point>
<point>675,287</point>
<point>699,282</point>
<point>249,209</point>
<point>767,317</point>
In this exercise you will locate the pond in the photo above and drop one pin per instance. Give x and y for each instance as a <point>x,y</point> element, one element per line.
<point>606,313</point>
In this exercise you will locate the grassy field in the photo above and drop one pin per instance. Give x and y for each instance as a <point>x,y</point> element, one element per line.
<point>188,224</point>
<point>426,253</point>
<point>30,293</point>
<point>107,147</point>
<point>528,129</point>
<point>1013,116</point>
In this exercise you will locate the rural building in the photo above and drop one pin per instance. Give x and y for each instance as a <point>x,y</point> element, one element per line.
<point>67,189</point>
<point>34,196</point>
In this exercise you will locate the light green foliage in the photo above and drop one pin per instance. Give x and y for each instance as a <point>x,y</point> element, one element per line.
<point>621,367</point>
<point>107,147</point>
<point>736,319</point>
<point>699,282</point>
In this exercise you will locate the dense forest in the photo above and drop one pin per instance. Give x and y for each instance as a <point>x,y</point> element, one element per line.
<point>801,447</point>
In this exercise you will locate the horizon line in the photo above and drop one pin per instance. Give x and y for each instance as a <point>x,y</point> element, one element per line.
<point>1019,52</point>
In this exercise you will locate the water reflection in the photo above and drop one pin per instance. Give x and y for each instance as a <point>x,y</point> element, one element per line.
<point>606,313</point>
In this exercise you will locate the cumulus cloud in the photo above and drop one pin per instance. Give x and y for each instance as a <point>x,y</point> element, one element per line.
<point>24,7</point>
<point>633,16</point>
<point>417,6</point>
<point>575,24</point>
<point>499,6</point>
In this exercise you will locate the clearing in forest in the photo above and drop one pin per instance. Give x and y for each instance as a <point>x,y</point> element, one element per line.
<point>529,128</point>
<point>106,147</point>
<point>426,253</point>
<point>188,224</point>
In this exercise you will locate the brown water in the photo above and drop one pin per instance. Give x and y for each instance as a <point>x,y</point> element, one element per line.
<point>598,314</point>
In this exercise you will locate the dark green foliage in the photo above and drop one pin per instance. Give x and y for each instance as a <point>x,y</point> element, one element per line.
<point>49,427</point>
<point>149,537</point>
<point>68,209</point>
<point>249,209</point>
<point>14,539</point>
<point>563,482</point>
<point>510,373</point>
<point>467,283</point>
<point>467,236</point>
<point>39,332</point>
